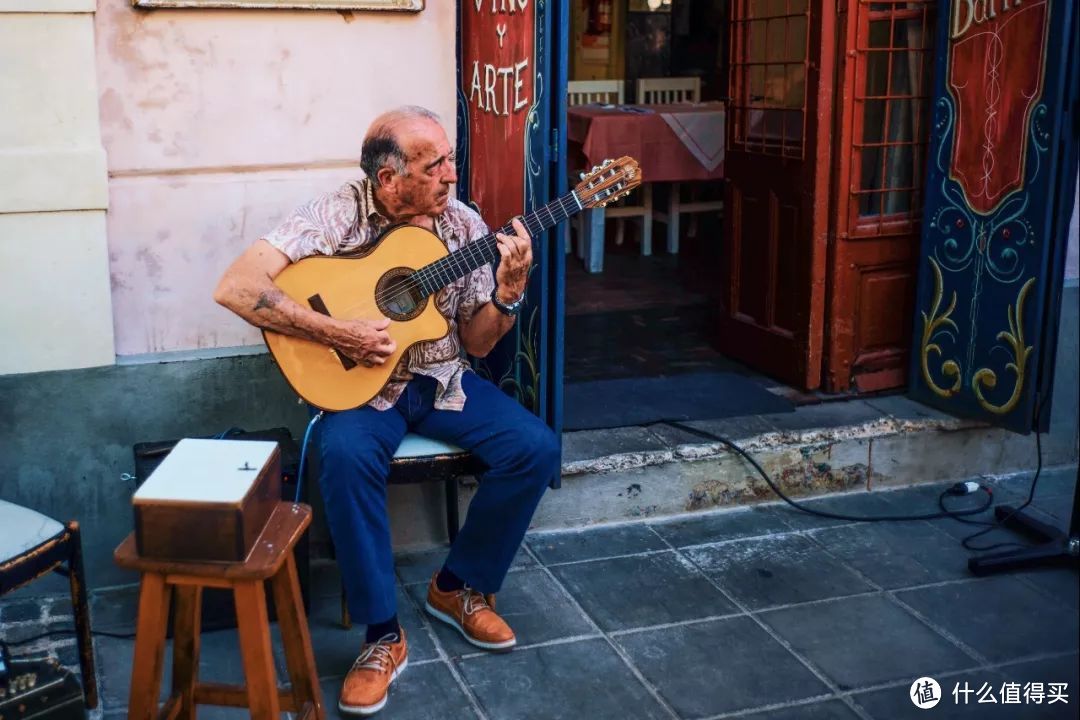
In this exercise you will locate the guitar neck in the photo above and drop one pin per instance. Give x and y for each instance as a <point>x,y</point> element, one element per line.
<point>458,264</point>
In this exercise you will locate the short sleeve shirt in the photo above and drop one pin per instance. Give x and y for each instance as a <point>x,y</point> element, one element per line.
<point>346,221</point>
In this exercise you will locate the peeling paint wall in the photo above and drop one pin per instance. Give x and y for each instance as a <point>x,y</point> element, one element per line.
<point>218,122</point>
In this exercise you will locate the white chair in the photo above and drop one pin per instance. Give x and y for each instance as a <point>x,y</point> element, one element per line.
<point>666,91</point>
<point>590,224</point>
<point>583,92</point>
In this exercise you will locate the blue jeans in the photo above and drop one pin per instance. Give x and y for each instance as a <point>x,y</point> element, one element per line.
<point>356,446</point>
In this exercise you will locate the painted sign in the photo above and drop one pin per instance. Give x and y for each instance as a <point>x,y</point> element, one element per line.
<point>505,95</point>
<point>991,246</point>
<point>497,82</point>
<point>994,93</point>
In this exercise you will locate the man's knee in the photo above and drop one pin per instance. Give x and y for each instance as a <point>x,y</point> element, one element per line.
<point>543,452</point>
<point>345,456</point>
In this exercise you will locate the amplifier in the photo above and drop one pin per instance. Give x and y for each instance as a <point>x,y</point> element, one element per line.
<point>39,690</point>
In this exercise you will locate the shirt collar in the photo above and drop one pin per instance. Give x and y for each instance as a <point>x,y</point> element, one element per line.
<point>369,210</point>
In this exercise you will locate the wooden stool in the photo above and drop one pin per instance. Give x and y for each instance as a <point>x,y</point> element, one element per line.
<point>271,559</point>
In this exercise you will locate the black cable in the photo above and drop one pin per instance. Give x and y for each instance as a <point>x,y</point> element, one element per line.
<point>52,633</point>
<point>1003,521</point>
<point>956,514</point>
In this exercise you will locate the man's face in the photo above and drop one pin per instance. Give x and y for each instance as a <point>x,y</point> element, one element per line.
<point>432,168</point>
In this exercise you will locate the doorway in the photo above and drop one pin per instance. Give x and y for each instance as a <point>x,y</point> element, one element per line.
<point>645,319</point>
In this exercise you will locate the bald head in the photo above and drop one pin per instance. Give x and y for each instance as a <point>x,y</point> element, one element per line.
<point>384,143</point>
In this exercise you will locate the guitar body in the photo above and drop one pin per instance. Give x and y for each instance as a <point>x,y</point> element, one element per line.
<point>352,288</point>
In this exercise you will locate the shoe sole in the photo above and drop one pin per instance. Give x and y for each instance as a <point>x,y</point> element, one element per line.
<point>376,707</point>
<point>504,645</point>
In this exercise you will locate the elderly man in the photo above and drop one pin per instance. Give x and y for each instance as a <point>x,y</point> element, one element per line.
<point>410,168</point>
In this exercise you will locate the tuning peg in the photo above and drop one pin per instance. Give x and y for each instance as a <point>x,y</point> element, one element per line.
<point>582,176</point>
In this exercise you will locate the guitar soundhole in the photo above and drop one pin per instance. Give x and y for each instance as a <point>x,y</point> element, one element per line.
<point>399,296</point>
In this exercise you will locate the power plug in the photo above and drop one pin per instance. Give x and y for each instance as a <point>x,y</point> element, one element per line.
<point>964,488</point>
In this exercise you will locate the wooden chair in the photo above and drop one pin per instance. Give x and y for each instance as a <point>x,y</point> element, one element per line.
<point>590,224</point>
<point>664,91</point>
<point>33,545</point>
<point>667,91</point>
<point>271,560</point>
<point>422,459</point>
<point>583,92</point>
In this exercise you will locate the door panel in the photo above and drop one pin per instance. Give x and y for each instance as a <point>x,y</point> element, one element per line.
<point>999,192</point>
<point>883,131</point>
<point>773,271</point>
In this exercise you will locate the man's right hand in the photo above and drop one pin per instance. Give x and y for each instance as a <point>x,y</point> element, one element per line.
<point>365,341</point>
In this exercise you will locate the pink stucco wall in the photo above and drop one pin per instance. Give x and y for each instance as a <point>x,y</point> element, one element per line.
<point>217,122</point>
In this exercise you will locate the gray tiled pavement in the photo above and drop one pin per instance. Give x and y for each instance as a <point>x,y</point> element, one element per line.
<point>762,614</point>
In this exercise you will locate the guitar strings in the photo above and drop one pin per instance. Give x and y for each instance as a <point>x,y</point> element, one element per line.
<point>471,252</point>
<point>565,205</point>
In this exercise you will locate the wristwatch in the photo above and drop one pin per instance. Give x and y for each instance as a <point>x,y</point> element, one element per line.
<point>510,310</point>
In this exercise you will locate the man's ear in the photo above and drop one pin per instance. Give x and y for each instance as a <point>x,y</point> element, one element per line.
<point>385,176</point>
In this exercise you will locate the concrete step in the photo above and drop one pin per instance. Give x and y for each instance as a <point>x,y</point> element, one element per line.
<point>662,470</point>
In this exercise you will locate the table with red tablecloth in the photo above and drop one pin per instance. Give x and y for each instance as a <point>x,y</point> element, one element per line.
<point>672,143</point>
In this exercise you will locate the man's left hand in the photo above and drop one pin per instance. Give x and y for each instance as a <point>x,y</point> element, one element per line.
<point>513,272</point>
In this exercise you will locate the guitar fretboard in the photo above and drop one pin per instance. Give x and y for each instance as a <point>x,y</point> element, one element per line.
<point>458,264</point>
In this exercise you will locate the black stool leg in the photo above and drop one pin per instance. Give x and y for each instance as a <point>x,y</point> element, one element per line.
<point>81,610</point>
<point>452,522</point>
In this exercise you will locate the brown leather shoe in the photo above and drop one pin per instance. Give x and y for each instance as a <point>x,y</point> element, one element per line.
<point>472,614</point>
<point>366,685</point>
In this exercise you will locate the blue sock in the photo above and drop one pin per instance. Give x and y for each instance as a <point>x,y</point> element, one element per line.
<point>378,631</point>
<point>447,581</point>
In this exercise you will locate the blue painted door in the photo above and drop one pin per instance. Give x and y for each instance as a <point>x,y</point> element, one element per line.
<point>512,60</point>
<point>999,193</point>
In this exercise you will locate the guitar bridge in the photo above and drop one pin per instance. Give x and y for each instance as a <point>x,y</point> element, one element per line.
<point>317,304</point>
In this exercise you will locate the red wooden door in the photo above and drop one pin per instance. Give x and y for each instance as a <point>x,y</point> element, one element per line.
<point>777,196</point>
<point>883,132</point>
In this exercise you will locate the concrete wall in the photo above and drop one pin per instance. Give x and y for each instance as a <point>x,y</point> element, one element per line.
<point>55,294</point>
<point>217,123</point>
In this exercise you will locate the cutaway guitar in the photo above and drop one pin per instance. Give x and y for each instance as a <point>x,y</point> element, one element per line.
<point>397,279</point>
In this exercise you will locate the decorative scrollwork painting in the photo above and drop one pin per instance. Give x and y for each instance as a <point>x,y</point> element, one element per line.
<point>988,244</point>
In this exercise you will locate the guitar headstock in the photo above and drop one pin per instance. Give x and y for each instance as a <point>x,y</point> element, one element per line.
<point>608,182</point>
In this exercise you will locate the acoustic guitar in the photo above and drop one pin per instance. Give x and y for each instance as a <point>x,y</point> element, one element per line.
<point>397,279</point>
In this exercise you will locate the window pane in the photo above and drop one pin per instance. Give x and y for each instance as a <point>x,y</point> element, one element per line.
<point>901,120</point>
<point>774,85</point>
<point>873,121</point>
<point>757,84</point>
<point>776,38</point>
<point>796,86</point>
<point>757,41</point>
<point>796,49</point>
<point>898,167</point>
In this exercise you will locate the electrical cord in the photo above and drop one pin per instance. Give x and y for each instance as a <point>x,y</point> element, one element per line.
<point>966,542</point>
<point>5,645</point>
<point>946,513</point>
<point>52,633</point>
<point>961,488</point>
<point>303,455</point>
